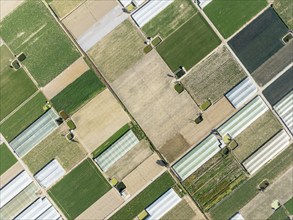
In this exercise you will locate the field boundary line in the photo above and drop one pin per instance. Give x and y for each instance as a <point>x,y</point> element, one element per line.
<point>57,201</point>
<point>70,12</point>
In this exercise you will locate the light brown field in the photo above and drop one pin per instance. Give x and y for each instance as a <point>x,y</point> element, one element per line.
<point>98,120</point>
<point>68,76</point>
<point>10,174</point>
<point>87,15</point>
<point>6,7</point>
<point>63,7</point>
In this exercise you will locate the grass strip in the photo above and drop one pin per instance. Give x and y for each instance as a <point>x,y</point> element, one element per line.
<point>7,159</point>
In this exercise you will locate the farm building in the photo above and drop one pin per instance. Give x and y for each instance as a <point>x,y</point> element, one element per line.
<point>150,10</point>
<point>243,118</point>
<point>49,174</point>
<point>35,133</point>
<point>117,150</point>
<point>284,109</point>
<point>242,93</point>
<point>197,157</point>
<point>267,152</point>
<point>163,205</point>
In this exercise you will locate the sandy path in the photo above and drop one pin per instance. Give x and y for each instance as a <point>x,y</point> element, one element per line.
<point>69,75</point>
<point>10,174</point>
<point>6,7</point>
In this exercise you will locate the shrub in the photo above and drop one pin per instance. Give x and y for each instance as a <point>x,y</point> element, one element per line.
<point>198,119</point>
<point>71,125</point>
<point>147,49</point>
<point>263,185</point>
<point>156,41</point>
<point>179,88</point>
<point>204,106</point>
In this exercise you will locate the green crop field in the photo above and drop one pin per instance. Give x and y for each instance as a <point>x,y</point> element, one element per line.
<point>15,86</point>
<point>189,44</point>
<point>170,19</point>
<point>229,16</point>
<point>214,180</point>
<point>248,190</point>
<point>145,198</point>
<point>289,206</point>
<point>7,159</point>
<point>279,214</point>
<point>23,117</point>
<point>36,33</point>
<point>55,146</point>
<point>79,189</point>
<point>78,93</point>
<point>284,9</point>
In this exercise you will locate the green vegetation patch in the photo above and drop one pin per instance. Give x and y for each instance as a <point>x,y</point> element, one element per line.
<point>257,134</point>
<point>23,117</point>
<point>248,190</point>
<point>204,106</point>
<point>33,30</point>
<point>284,9</point>
<point>15,86</point>
<point>289,206</point>
<point>229,16</point>
<point>147,49</point>
<point>198,41</point>
<point>179,88</point>
<point>279,214</point>
<point>79,189</point>
<point>145,198</point>
<point>7,159</point>
<point>170,19</point>
<point>216,179</point>
<point>156,41</point>
<point>55,146</point>
<point>78,93</point>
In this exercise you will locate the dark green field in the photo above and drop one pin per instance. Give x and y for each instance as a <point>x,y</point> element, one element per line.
<point>279,214</point>
<point>145,198</point>
<point>289,206</point>
<point>229,16</point>
<point>78,93</point>
<point>36,33</point>
<point>6,158</point>
<point>79,189</point>
<point>22,118</point>
<point>189,44</point>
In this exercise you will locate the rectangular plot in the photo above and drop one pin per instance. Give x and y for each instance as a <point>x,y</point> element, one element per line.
<point>35,133</point>
<point>7,158</point>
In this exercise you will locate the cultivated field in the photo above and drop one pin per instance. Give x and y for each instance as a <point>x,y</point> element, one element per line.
<point>98,120</point>
<point>55,146</point>
<point>62,8</point>
<point>199,40</point>
<point>15,86</point>
<point>7,158</point>
<point>23,117</point>
<point>248,190</point>
<point>6,7</point>
<point>145,198</point>
<point>170,19</point>
<point>78,93</point>
<point>216,179</point>
<point>10,173</point>
<point>229,16</point>
<point>284,9</point>
<point>47,48</point>
<point>213,77</point>
<point>260,40</point>
<point>79,189</point>
<point>118,51</point>
<point>257,134</point>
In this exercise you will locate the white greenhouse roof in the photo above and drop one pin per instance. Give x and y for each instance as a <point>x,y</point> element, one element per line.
<point>194,159</point>
<point>284,109</point>
<point>204,3</point>
<point>243,118</point>
<point>163,205</point>
<point>14,187</point>
<point>49,174</point>
<point>125,3</point>
<point>237,216</point>
<point>150,10</point>
<point>138,2</point>
<point>242,93</point>
<point>35,133</point>
<point>117,150</point>
<point>39,208</point>
<point>267,152</point>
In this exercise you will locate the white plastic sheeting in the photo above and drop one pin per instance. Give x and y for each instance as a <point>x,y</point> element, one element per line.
<point>117,150</point>
<point>150,10</point>
<point>125,3</point>
<point>197,157</point>
<point>284,109</point>
<point>237,216</point>
<point>40,209</point>
<point>242,93</point>
<point>266,153</point>
<point>204,3</point>
<point>35,133</point>
<point>243,118</point>
<point>163,205</point>
<point>14,187</point>
<point>49,174</point>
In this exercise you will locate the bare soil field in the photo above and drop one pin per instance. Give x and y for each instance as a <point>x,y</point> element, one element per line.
<point>98,120</point>
<point>149,95</point>
<point>103,207</point>
<point>68,76</point>
<point>213,77</point>
<point>130,161</point>
<point>85,16</point>
<point>10,174</point>
<point>6,7</point>
<point>62,8</point>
